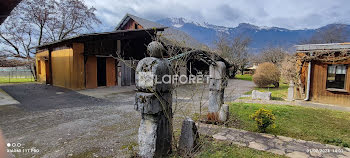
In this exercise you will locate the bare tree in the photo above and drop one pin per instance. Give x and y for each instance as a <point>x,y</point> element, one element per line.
<point>335,33</point>
<point>234,51</point>
<point>289,69</point>
<point>73,16</point>
<point>34,22</point>
<point>273,55</point>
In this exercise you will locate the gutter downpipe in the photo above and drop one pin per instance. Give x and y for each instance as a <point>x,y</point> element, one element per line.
<point>307,98</point>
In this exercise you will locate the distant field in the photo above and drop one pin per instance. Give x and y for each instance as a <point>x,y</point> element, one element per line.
<point>246,77</point>
<point>4,80</point>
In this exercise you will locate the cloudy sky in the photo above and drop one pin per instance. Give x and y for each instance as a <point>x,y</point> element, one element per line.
<point>292,14</point>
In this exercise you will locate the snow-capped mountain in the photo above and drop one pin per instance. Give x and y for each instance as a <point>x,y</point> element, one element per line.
<point>262,37</point>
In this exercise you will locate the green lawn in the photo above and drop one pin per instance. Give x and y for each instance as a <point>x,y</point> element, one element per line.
<point>246,77</point>
<point>217,149</point>
<point>4,80</point>
<point>279,93</point>
<point>320,125</point>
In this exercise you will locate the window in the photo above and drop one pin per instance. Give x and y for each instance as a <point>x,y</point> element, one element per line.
<point>136,26</point>
<point>336,76</point>
<point>39,67</point>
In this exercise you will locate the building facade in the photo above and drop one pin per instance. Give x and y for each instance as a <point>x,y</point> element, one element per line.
<point>108,59</point>
<point>325,72</point>
<point>92,60</point>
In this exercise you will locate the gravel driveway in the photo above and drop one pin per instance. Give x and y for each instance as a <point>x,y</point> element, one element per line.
<point>63,123</point>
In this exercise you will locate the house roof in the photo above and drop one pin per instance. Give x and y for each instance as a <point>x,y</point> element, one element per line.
<point>143,22</point>
<point>118,34</point>
<point>169,35</point>
<point>328,46</point>
<point>6,7</point>
<point>176,37</point>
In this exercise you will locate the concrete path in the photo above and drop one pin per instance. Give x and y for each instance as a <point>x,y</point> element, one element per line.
<point>276,144</point>
<point>297,103</point>
<point>107,92</point>
<point>184,93</point>
<point>6,99</point>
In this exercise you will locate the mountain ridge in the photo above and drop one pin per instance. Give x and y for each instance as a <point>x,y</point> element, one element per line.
<point>262,37</point>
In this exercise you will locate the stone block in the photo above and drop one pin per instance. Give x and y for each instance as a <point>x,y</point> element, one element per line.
<point>189,136</point>
<point>154,136</point>
<point>217,71</point>
<point>258,146</point>
<point>155,49</point>
<point>150,103</point>
<point>224,113</point>
<point>277,151</point>
<point>154,100</point>
<point>239,143</point>
<point>285,139</point>
<point>261,95</point>
<point>219,137</point>
<point>315,154</point>
<point>216,99</point>
<point>147,136</point>
<point>153,75</point>
<point>297,154</point>
<point>347,153</point>
<point>291,92</point>
<point>217,84</point>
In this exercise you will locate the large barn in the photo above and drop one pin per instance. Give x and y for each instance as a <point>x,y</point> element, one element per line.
<point>106,59</point>
<point>325,73</point>
<point>89,61</point>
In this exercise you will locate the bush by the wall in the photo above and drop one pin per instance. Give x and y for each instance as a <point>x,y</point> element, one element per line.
<point>263,118</point>
<point>266,74</point>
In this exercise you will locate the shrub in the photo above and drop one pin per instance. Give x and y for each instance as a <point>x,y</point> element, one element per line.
<point>266,74</point>
<point>337,142</point>
<point>263,118</point>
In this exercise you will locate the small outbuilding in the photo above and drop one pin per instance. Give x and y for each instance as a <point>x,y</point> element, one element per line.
<point>324,73</point>
<point>250,70</point>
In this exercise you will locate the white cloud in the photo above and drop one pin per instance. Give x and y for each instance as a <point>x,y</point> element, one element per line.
<point>292,14</point>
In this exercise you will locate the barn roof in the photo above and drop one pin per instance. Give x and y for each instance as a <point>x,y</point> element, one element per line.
<point>169,35</point>
<point>118,34</point>
<point>143,22</point>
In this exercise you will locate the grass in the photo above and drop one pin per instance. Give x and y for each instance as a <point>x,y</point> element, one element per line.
<point>4,80</point>
<point>279,93</point>
<point>218,149</point>
<point>320,125</point>
<point>245,98</point>
<point>246,77</point>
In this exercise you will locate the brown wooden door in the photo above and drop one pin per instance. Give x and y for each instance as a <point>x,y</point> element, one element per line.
<point>47,72</point>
